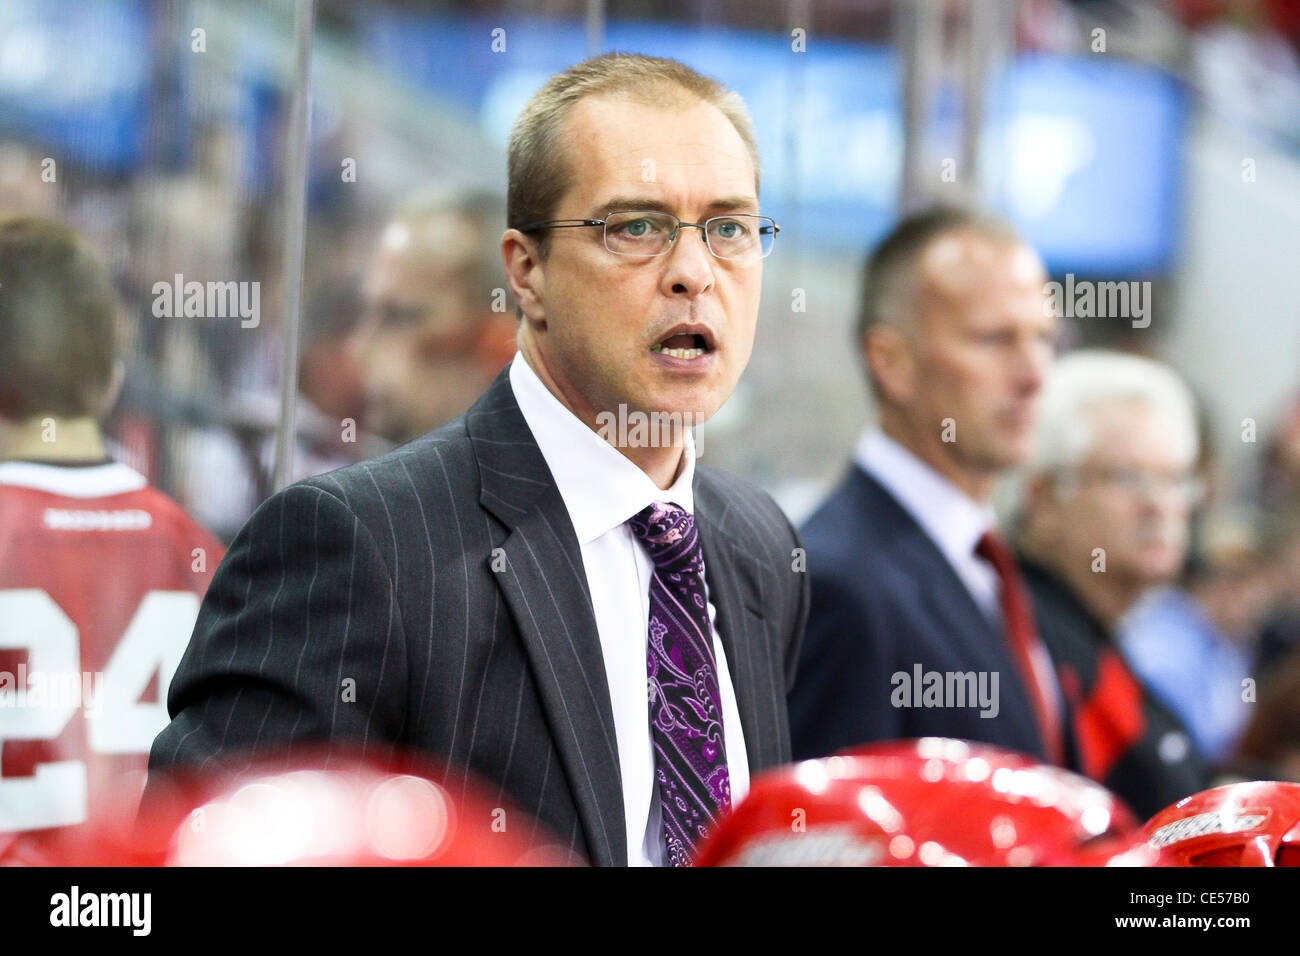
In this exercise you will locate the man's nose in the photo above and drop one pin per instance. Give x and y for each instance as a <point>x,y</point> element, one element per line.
<point>1033,359</point>
<point>689,269</point>
<point>358,341</point>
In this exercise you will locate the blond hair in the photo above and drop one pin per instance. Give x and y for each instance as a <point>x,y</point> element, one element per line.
<point>537,158</point>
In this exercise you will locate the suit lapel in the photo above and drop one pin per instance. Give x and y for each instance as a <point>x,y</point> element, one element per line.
<point>545,586</point>
<point>981,639</point>
<point>965,617</point>
<point>734,591</point>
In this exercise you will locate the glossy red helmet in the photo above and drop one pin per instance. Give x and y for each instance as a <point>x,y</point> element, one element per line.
<point>306,811</point>
<point>1241,824</point>
<point>927,802</point>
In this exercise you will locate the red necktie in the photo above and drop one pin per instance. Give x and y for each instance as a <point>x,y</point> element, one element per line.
<point>1026,647</point>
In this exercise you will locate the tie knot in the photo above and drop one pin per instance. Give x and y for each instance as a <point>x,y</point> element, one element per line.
<point>994,550</point>
<point>669,536</point>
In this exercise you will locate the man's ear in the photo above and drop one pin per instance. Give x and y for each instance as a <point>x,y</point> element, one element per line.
<point>526,274</point>
<point>889,359</point>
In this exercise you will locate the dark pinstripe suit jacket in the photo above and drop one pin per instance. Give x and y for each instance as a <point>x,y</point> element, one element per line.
<point>383,572</point>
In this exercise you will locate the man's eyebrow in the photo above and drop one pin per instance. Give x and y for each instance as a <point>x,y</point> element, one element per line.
<point>739,204</point>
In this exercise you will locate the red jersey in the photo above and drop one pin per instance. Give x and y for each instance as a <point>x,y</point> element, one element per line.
<point>100,582</point>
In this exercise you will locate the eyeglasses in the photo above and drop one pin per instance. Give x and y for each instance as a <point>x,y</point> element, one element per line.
<point>1189,487</point>
<point>645,233</point>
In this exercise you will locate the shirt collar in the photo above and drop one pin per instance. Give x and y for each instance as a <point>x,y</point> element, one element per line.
<point>601,487</point>
<point>952,519</point>
<point>97,480</point>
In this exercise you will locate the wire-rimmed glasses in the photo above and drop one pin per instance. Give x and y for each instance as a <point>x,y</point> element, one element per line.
<point>648,233</point>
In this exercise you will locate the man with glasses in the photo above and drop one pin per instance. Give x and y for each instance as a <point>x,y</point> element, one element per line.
<point>1111,486</point>
<point>603,629</point>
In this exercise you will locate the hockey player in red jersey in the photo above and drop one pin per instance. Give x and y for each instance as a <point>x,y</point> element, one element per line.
<point>101,575</point>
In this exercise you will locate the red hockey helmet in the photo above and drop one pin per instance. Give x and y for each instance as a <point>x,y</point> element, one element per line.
<point>1241,824</point>
<point>927,802</point>
<point>315,809</point>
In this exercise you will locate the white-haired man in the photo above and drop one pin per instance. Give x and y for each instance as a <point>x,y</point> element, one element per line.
<point>1110,491</point>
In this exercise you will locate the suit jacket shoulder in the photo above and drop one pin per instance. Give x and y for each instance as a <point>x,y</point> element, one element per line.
<point>762,533</point>
<point>430,599</point>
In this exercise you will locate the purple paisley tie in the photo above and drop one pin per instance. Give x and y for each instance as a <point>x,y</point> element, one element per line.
<point>685,706</point>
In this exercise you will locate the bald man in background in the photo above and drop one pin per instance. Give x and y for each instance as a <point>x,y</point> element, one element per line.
<point>436,328</point>
<point>919,624</point>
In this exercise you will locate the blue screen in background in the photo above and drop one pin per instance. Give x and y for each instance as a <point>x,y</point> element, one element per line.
<point>74,77</point>
<point>1088,153</point>
<point>1083,154</point>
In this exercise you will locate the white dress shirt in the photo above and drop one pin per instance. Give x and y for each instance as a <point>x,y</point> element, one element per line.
<point>601,490</point>
<point>952,519</point>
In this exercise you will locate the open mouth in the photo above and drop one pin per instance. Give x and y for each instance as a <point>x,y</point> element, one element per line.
<point>685,344</point>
